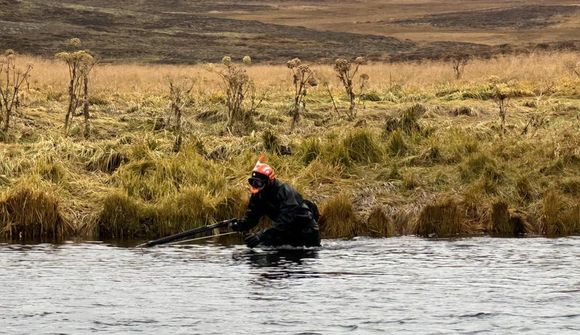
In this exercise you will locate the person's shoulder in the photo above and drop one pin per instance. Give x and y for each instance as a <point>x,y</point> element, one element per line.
<point>285,189</point>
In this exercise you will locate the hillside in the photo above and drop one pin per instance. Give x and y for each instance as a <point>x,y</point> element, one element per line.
<point>271,31</point>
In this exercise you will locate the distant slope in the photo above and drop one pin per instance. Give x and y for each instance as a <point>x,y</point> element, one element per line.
<point>179,31</point>
<point>153,34</point>
<point>520,17</point>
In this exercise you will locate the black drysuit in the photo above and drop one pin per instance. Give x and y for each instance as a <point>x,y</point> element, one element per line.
<point>293,221</point>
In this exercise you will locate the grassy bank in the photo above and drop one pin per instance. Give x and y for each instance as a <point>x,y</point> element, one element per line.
<point>426,154</point>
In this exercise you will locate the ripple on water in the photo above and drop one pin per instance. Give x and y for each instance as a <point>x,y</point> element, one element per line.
<point>397,285</point>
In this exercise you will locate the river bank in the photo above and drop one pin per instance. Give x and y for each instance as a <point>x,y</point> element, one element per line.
<point>426,154</point>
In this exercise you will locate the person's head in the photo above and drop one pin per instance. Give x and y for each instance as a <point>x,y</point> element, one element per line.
<point>262,176</point>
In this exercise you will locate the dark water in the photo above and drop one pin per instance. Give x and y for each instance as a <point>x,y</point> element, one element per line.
<point>367,286</point>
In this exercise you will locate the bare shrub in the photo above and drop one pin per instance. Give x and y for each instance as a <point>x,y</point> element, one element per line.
<point>303,78</point>
<point>80,64</point>
<point>179,96</point>
<point>12,79</point>
<point>458,63</point>
<point>346,72</point>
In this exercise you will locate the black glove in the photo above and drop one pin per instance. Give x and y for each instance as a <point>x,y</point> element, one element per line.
<point>237,224</point>
<point>252,240</point>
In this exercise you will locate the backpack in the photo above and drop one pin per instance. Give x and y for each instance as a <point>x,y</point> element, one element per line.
<point>313,208</point>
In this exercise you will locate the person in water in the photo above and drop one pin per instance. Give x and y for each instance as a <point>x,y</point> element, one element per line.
<point>294,219</point>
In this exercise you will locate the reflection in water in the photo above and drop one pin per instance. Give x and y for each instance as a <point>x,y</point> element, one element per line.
<point>279,263</point>
<point>279,257</point>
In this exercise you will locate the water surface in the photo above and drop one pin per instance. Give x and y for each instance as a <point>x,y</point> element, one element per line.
<point>366,286</point>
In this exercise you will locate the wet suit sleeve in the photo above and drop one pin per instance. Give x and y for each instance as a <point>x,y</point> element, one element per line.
<point>253,214</point>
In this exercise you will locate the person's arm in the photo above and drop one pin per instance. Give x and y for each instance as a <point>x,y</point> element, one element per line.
<point>254,213</point>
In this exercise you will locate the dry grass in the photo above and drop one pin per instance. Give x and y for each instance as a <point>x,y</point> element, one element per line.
<point>129,79</point>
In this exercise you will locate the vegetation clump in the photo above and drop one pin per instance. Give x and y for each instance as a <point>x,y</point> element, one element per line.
<point>558,216</point>
<point>441,219</point>
<point>106,161</point>
<point>362,147</point>
<point>407,122</point>
<point>337,218</point>
<point>271,142</point>
<point>378,224</point>
<point>28,212</point>
<point>502,223</point>
<point>480,165</point>
<point>123,217</point>
<point>309,150</point>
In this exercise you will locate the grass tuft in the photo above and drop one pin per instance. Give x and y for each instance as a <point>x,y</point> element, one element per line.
<point>123,217</point>
<point>441,219</point>
<point>309,150</point>
<point>378,223</point>
<point>559,218</point>
<point>337,218</point>
<point>232,204</point>
<point>480,165</point>
<point>271,142</point>
<point>190,208</point>
<point>106,161</point>
<point>31,212</point>
<point>361,147</point>
<point>396,145</point>
<point>503,223</point>
<point>409,118</point>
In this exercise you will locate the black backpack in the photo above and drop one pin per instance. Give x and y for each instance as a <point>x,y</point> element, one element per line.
<point>313,208</point>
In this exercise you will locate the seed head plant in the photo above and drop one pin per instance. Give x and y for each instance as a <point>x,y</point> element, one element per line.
<point>12,80</point>
<point>302,78</point>
<point>80,64</point>
<point>346,71</point>
<point>238,88</point>
<point>501,95</point>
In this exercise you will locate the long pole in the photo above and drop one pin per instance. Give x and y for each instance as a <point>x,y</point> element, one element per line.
<point>203,238</point>
<point>182,235</point>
